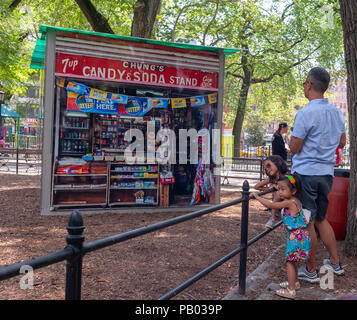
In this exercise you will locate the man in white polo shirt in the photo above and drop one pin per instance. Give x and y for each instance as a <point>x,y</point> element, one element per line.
<point>319,129</point>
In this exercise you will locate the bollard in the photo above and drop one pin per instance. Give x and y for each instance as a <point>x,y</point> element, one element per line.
<point>75,241</point>
<point>244,238</point>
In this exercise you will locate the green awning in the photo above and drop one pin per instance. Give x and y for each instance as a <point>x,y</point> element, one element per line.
<point>7,112</point>
<point>38,55</point>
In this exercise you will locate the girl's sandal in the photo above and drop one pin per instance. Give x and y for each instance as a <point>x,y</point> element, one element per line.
<point>286,293</point>
<point>285,285</point>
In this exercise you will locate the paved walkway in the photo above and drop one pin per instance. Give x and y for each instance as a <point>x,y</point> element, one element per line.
<point>258,286</point>
<point>23,167</point>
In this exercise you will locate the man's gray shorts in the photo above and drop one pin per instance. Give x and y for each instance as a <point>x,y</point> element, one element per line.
<point>315,190</point>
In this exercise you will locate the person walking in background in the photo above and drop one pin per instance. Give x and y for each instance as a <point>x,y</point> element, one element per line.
<point>319,129</point>
<point>278,143</point>
<point>298,238</point>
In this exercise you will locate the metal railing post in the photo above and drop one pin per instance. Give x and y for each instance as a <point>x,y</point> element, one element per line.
<point>244,238</point>
<point>75,241</point>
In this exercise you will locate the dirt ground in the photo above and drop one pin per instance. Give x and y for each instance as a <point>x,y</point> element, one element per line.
<point>139,269</point>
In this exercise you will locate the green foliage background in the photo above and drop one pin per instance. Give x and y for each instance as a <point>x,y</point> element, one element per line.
<point>277,34</point>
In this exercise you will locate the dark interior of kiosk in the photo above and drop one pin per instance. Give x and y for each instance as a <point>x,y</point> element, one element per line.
<point>78,144</point>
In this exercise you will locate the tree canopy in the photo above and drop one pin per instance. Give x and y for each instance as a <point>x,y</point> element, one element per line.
<point>282,40</point>
<point>15,50</point>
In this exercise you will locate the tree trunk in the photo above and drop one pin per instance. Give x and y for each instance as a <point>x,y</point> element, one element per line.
<point>238,122</point>
<point>14,4</point>
<point>242,102</point>
<point>144,20</point>
<point>349,23</point>
<point>98,22</point>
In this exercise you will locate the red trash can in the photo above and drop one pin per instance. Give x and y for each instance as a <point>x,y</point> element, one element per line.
<point>338,200</point>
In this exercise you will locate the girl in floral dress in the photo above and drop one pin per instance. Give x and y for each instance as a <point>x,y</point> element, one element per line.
<point>298,239</point>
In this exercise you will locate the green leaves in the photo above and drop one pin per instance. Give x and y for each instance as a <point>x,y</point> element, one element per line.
<point>15,50</point>
<point>284,39</point>
<point>19,31</point>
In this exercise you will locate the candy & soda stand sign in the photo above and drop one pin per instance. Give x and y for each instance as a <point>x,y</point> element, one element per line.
<point>97,68</point>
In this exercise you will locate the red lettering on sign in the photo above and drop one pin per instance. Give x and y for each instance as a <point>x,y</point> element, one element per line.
<point>133,72</point>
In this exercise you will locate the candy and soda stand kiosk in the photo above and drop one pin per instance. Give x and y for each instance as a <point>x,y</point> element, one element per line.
<point>98,90</point>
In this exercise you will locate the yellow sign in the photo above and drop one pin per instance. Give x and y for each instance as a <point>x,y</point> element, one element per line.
<point>60,82</point>
<point>212,98</point>
<point>98,94</point>
<point>178,103</point>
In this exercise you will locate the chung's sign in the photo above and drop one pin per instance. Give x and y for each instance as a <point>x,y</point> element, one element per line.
<point>134,72</point>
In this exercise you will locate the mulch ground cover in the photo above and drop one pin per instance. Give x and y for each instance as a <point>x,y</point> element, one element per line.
<point>143,268</point>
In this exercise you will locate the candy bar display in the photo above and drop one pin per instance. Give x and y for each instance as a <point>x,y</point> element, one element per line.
<point>92,168</point>
<point>134,184</point>
<point>77,184</point>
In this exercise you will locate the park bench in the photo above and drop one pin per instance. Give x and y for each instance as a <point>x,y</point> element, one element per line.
<point>4,159</point>
<point>31,157</point>
<point>240,165</point>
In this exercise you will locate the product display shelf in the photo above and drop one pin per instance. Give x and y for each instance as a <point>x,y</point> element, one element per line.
<point>79,189</point>
<point>75,136</point>
<point>108,133</point>
<point>127,189</point>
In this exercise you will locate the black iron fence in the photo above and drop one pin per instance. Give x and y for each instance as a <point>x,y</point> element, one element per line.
<point>251,157</point>
<point>75,250</point>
